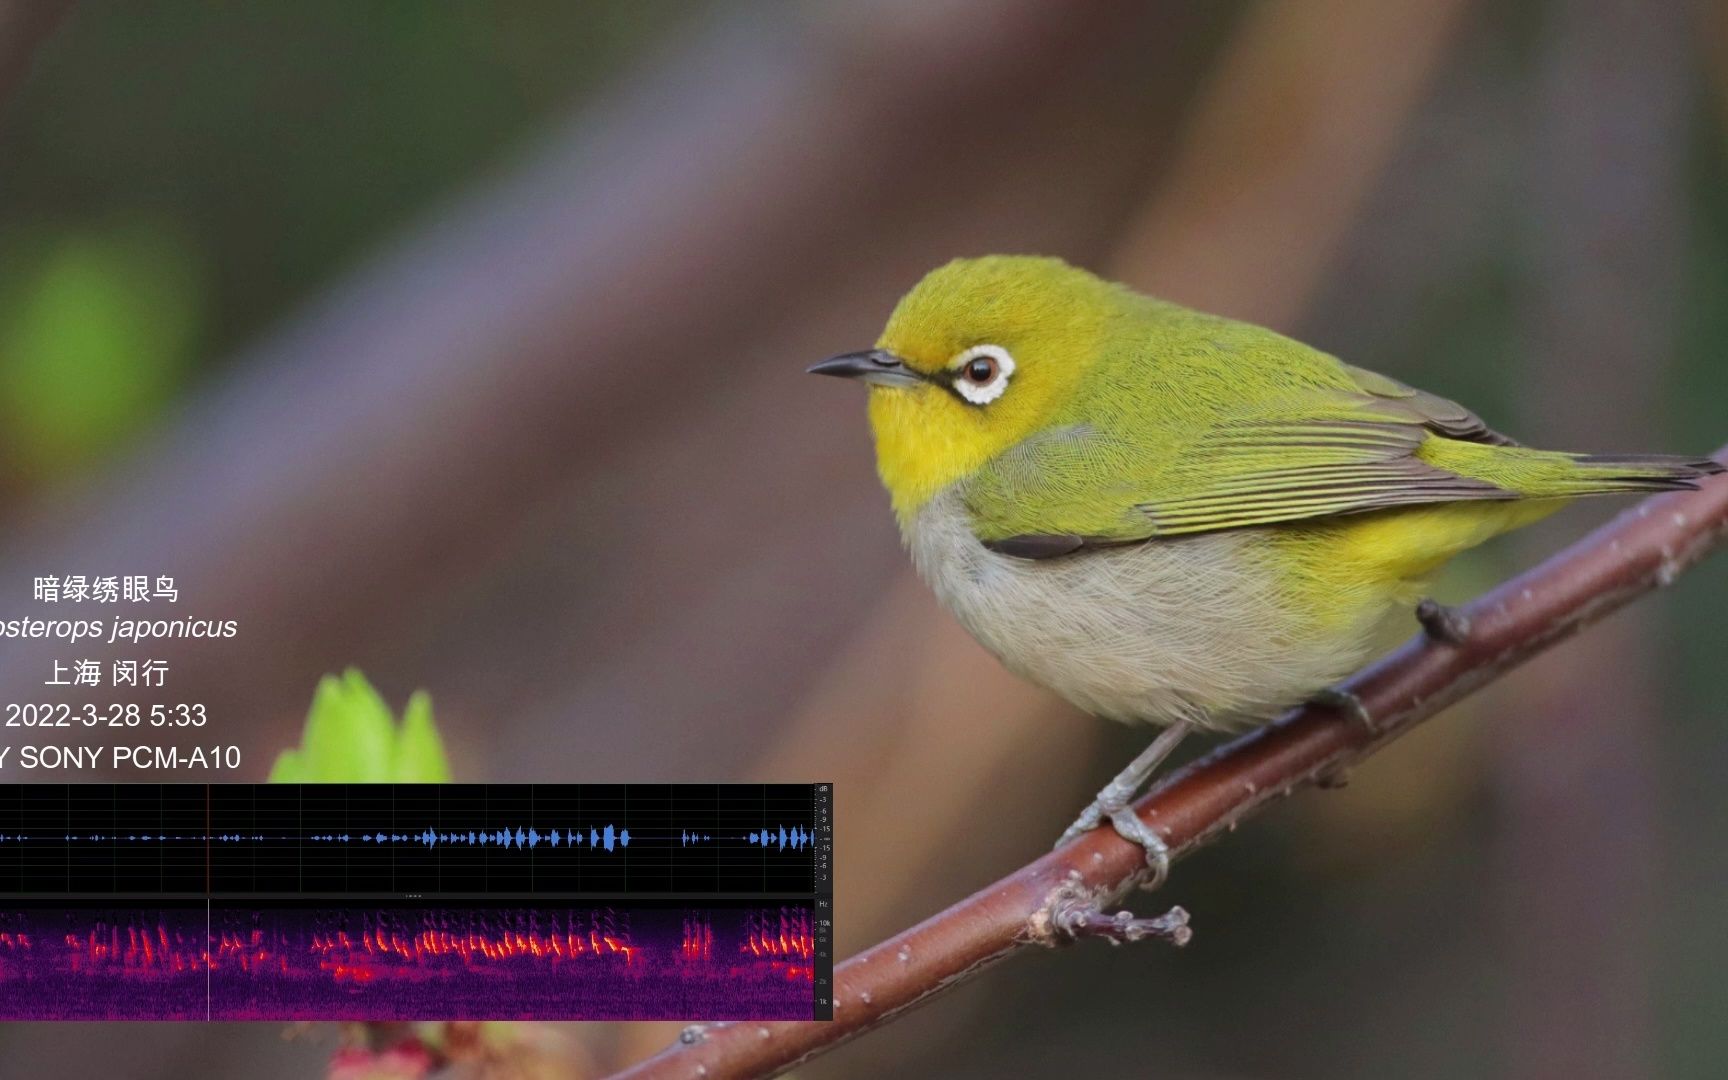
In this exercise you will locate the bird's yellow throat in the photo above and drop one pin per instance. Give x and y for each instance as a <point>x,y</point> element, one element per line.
<point>916,457</point>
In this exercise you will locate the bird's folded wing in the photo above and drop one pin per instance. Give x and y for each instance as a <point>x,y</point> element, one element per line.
<point>1434,412</point>
<point>1318,453</point>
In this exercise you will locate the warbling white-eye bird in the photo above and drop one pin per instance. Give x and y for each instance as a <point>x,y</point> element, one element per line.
<point>1171,518</point>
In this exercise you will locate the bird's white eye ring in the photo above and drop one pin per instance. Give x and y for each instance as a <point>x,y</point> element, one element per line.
<point>981,373</point>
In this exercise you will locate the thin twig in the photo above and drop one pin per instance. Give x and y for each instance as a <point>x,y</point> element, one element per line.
<point>1643,549</point>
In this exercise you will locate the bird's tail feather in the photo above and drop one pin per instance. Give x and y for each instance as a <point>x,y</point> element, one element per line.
<point>1601,474</point>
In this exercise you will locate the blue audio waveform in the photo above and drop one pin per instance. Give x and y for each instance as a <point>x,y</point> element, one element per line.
<point>795,838</point>
<point>143,838</point>
<point>604,838</point>
<point>609,838</point>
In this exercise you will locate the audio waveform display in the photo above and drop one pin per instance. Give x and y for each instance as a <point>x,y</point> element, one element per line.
<point>795,838</point>
<point>415,902</point>
<point>607,837</point>
<point>422,838</point>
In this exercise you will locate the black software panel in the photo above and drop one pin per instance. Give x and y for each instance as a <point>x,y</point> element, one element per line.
<point>410,901</point>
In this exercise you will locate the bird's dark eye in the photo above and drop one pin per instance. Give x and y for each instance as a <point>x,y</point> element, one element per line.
<point>980,374</point>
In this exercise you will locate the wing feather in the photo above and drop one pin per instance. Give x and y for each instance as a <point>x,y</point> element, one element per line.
<point>1441,416</point>
<point>1318,453</point>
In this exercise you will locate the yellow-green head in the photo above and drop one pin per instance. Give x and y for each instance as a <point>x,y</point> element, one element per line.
<point>979,355</point>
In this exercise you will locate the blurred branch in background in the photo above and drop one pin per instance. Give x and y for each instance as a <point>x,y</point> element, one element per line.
<point>24,25</point>
<point>1609,141</point>
<point>1300,118</point>
<point>1643,549</point>
<point>421,410</point>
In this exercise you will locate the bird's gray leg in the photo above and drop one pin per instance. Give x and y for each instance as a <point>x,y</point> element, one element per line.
<point>1115,803</point>
<point>1442,623</point>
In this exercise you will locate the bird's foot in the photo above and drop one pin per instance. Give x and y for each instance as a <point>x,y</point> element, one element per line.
<point>1341,700</point>
<point>1129,827</point>
<point>1074,918</point>
<point>1115,803</point>
<point>1442,623</point>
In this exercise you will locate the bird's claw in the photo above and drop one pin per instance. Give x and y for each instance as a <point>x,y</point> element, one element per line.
<point>1130,828</point>
<point>1444,624</point>
<point>1089,819</point>
<point>1341,700</point>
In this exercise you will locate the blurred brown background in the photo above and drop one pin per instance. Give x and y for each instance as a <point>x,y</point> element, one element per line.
<point>463,342</point>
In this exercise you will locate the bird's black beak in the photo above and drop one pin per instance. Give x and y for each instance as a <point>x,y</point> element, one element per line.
<point>879,367</point>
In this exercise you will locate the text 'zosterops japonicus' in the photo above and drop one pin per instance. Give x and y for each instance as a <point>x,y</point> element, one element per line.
<point>1173,518</point>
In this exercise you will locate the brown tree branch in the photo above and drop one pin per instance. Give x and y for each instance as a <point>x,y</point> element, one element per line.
<point>1643,549</point>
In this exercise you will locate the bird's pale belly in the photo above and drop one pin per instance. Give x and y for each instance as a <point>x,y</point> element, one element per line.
<point>1203,627</point>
